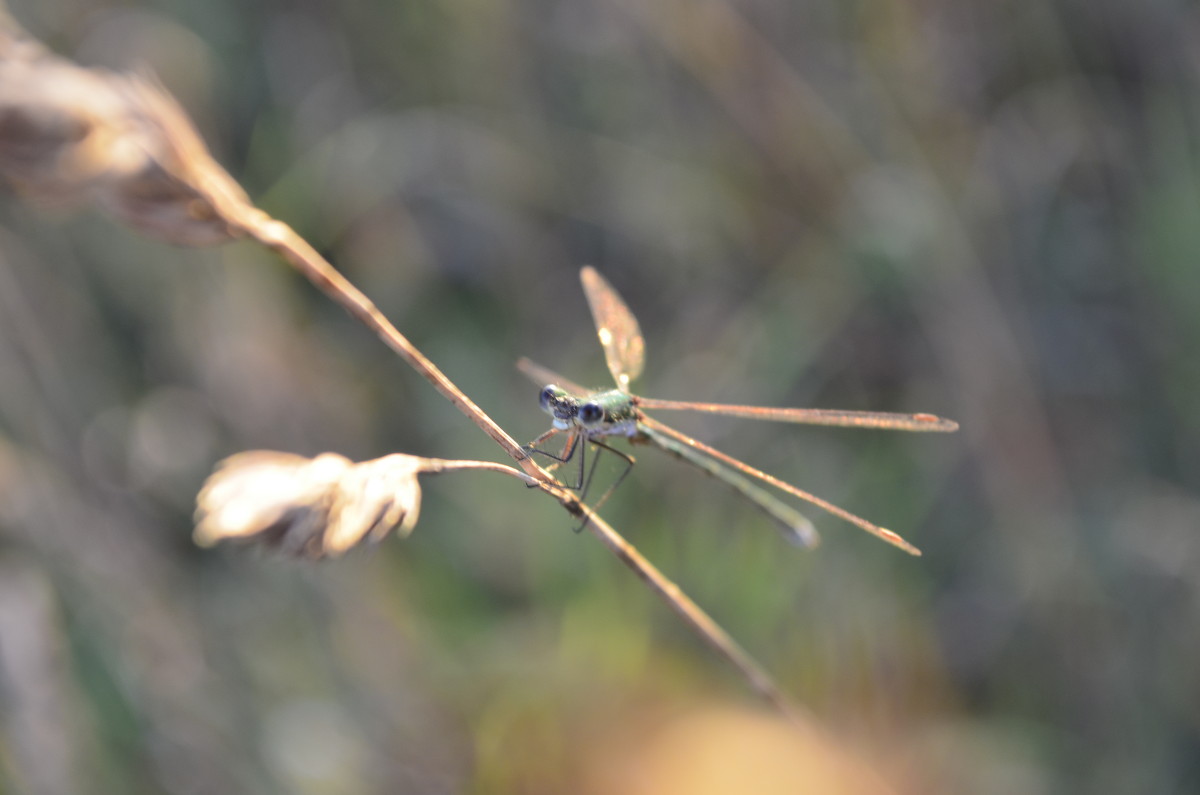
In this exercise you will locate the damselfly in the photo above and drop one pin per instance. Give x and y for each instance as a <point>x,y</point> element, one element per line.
<point>590,415</point>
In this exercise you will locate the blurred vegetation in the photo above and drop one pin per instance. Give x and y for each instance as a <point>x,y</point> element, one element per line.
<point>986,210</point>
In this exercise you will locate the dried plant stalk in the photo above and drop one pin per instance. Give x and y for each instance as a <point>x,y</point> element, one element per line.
<point>73,135</point>
<point>694,616</point>
<point>69,134</point>
<point>324,506</point>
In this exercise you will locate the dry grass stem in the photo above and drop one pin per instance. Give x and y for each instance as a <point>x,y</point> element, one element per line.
<point>701,622</point>
<point>281,238</point>
<point>324,506</point>
<point>70,135</point>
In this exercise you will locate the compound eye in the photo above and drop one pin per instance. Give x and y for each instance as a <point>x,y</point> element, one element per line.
<point>547,397</point>
<point>590,414</point>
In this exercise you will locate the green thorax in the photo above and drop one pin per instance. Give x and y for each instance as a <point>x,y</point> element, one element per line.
<point>606,413</point>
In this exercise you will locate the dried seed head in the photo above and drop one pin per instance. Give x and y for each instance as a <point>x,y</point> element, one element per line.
<point>162,180</point>
<point>69,134</point>
<point>58,125</point>
<point>315,507</point>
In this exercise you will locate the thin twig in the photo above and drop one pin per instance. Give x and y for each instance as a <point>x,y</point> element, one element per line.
<point>282,239</point>
<point>125,142</point>
<point>436,465</point>
<point>701,622</point>
<point>692,614</point>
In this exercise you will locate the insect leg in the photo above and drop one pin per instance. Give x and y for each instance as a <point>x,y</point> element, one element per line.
<point>629,462</point>
<point>567,453</point>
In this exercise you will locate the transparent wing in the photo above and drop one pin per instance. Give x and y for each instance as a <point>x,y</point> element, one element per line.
<point>741,466</point>
<point>617,328</point>
<point>846,419</point>
<point>544,376</point>
<point>795,526</point>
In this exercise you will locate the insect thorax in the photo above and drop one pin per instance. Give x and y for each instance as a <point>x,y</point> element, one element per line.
<point>617,415</point>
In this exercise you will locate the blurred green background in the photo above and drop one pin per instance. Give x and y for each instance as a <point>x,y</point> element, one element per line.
<point>986,210</point>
